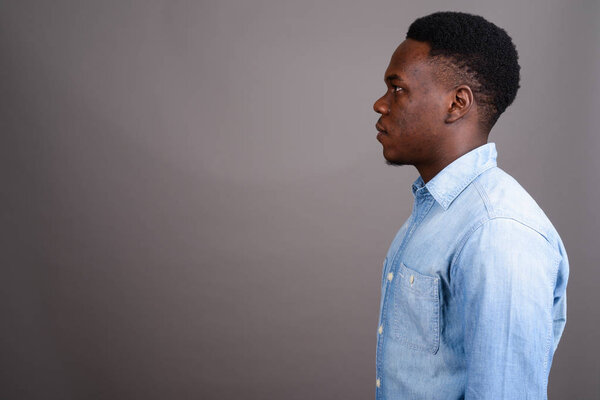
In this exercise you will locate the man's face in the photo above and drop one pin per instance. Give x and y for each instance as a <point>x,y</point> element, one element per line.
<point>413,109</point>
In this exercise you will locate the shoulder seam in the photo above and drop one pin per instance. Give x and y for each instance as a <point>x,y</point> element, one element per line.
<point>466,236</point>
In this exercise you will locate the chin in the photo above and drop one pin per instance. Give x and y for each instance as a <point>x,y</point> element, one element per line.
<point>395,163</point>
<point>393,160</point>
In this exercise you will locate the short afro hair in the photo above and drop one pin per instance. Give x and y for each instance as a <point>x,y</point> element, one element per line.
<point>473,51</point>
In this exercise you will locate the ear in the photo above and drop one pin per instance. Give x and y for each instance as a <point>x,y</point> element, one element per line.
<point>461,102</point>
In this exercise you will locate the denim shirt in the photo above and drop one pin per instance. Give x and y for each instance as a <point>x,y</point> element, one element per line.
<point>473,291</point>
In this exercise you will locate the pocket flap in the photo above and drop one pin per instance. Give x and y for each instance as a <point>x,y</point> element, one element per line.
<point>418,283</point>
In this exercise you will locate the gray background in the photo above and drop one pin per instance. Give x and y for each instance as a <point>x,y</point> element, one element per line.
<point>194,204</point>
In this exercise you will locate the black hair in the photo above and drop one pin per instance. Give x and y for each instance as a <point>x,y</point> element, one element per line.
<point>477,53</point>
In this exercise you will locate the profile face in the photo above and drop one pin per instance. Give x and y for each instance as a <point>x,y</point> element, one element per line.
<point>413,108</point>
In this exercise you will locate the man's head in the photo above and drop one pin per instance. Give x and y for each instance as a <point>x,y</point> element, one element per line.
<point>473,51</point>
<point>452,77</point>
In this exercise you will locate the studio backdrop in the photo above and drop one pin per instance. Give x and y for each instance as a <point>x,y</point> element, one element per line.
<point>194,204</point>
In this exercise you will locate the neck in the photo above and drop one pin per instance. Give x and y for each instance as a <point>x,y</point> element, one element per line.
<point>446,155</point>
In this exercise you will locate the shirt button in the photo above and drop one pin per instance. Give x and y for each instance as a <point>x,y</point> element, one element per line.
<point>412,279</point>
<point>390,276</point>
<point>378,382</point>
<point>380,330</point>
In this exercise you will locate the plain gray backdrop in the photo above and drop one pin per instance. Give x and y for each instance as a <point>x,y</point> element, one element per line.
<point>194,204</point>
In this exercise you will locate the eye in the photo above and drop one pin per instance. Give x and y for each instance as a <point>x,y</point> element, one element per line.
<point>396,89</point>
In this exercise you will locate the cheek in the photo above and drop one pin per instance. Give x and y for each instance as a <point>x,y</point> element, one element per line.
<point>422,116</point>
<point>410,122</point>
<point>414,118</point>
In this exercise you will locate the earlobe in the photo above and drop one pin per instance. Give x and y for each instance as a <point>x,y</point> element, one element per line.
<point>462,101</point>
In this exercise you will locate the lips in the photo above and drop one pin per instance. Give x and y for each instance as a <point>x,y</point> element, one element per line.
<point>380,128</point>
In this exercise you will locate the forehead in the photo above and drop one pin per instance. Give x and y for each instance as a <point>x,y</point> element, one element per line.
<point>410,60</point>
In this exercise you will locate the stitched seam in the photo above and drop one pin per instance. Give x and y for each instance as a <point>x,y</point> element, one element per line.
<point>486,200</point>
<point>557,255</point>
<point>550,338</point>
<point>462,243</point>
<point>467,236</point>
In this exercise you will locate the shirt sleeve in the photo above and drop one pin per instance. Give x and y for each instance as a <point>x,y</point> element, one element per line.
<point>505,276</point>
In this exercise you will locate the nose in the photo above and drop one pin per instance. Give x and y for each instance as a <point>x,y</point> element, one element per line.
<point>381,106</point>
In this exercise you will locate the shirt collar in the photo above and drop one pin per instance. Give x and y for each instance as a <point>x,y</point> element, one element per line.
<point>456,176</point>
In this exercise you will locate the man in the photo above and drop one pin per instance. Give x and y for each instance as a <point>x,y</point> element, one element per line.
<point>473,297</point>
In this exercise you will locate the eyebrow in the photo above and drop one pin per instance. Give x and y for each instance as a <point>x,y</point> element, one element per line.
<point>393,77</point>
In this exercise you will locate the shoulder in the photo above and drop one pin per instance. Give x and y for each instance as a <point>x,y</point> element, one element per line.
<point>505,199</point>
<point>509,222</point>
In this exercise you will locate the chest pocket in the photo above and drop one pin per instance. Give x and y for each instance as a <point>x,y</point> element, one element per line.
<point>416,310</point>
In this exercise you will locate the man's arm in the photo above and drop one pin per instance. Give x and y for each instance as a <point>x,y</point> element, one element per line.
<point>504,277</point>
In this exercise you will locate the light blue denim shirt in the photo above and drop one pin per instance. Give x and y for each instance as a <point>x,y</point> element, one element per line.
<point>473,292</point>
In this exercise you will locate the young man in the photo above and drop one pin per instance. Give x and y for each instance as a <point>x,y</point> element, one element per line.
<point>473,296</point>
